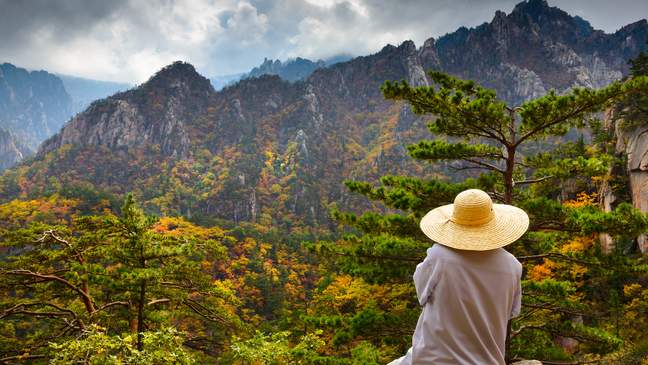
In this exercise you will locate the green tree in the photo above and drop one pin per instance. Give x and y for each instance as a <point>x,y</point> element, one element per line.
<point>95,347</point>
<point>515,154</point>
<point>122,273</point>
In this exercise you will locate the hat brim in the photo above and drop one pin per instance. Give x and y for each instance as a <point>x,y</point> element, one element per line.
<point>508,224</point>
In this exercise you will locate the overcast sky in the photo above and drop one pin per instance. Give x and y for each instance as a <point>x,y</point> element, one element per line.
<point>128,40</point>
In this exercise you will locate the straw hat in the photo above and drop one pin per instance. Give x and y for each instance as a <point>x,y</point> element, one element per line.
<point>473,222</point>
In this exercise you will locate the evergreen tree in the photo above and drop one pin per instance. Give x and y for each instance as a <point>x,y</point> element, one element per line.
<point>118,274</point>
<point>519,155</point>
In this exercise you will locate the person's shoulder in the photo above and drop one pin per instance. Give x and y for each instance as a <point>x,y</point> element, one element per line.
<point>512,259</point>
<point>439,250</point>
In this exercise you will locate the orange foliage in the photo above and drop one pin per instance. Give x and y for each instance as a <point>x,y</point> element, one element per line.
<point>542,271</point>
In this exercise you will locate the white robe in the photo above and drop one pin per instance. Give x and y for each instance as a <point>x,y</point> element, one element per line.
<point>467,298</point>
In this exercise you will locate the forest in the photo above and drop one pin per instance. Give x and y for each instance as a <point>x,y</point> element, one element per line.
<point>91,280</point>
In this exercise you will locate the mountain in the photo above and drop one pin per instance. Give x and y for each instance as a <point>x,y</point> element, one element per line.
<point>276,152</point>
<point>221,81</point>
<point>537,48</point>
<point>294,69</point>
<point>33,104</point>
<point>152,114</point>
<point>84,91</point>
<point>291,70</point>
<point>11,150</point>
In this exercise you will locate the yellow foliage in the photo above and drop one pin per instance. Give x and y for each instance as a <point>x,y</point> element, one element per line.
<point>578,244</point>
<point>582,200</point>
<point>631,290</point>
<point>577,272</point>
<point>179,227</point>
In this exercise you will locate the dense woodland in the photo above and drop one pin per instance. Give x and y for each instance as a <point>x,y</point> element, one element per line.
<point>92,277</point>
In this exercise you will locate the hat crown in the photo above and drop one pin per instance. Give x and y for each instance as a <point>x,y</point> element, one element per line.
<point>472,207</point>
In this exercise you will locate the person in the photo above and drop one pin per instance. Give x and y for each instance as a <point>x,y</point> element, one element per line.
<point>468,285</point>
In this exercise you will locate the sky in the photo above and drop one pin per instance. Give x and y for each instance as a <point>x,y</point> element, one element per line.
<point>128,40</point>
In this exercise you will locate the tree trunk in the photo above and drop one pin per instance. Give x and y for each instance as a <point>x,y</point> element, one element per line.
<point>508,175</point>
<point>140,315</point>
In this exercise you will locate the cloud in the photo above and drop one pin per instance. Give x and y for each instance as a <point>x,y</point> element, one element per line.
<point>246,24</point>
<point>128,40</point>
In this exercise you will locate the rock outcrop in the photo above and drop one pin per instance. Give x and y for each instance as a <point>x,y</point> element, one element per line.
<point>11,150</point>
<point>536,48</point>
<point>33,104</point>
<point>292,70</point>
<point>632,141</point>
<point>154,113</point>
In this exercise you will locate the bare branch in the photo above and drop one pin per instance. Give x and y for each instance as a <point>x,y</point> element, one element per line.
<point>24,356</point>
<point>159,301</point>
<point>558,256</point>
<point>112,304</point>
<point>532,181</point>
<point>485,165</point>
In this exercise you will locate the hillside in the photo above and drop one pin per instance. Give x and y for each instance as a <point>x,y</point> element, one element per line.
<point>275,152</point>
<point>34,105</point>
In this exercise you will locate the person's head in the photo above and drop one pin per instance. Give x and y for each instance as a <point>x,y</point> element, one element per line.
<point>474,223</point>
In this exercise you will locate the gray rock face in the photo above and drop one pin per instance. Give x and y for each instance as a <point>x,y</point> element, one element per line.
<point>33,104</point>
<point>633,142</point>
<point>525,84</point>
<point>537,48</point>
<point>11,151</point>
<point>412,62</point>
<point>154,113</point>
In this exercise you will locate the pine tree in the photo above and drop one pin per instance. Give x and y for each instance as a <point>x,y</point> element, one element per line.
<point>106,276</point>
<point>519,155</point>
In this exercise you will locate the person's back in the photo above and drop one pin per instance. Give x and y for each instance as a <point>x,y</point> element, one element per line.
<point>468,285</point>
<point>468,298</point>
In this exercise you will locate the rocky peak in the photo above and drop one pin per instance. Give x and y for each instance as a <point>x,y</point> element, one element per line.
<point>429,55</point>
<point>291,70</point>
<point>532,7</point>
<point>538,10</point>
<point>552,21</point>
<point>179,76</point>
<point>155,113</point>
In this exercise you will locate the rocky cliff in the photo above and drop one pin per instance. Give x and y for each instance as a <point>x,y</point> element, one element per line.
<point>11,150</point>
<point>33,104</point>
<point>276,152</point>
<point>631,142</point>
<point>154,113</point>
<point>536,48</point>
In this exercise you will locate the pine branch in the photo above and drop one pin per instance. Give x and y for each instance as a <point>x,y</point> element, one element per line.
<point>87,300</point>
